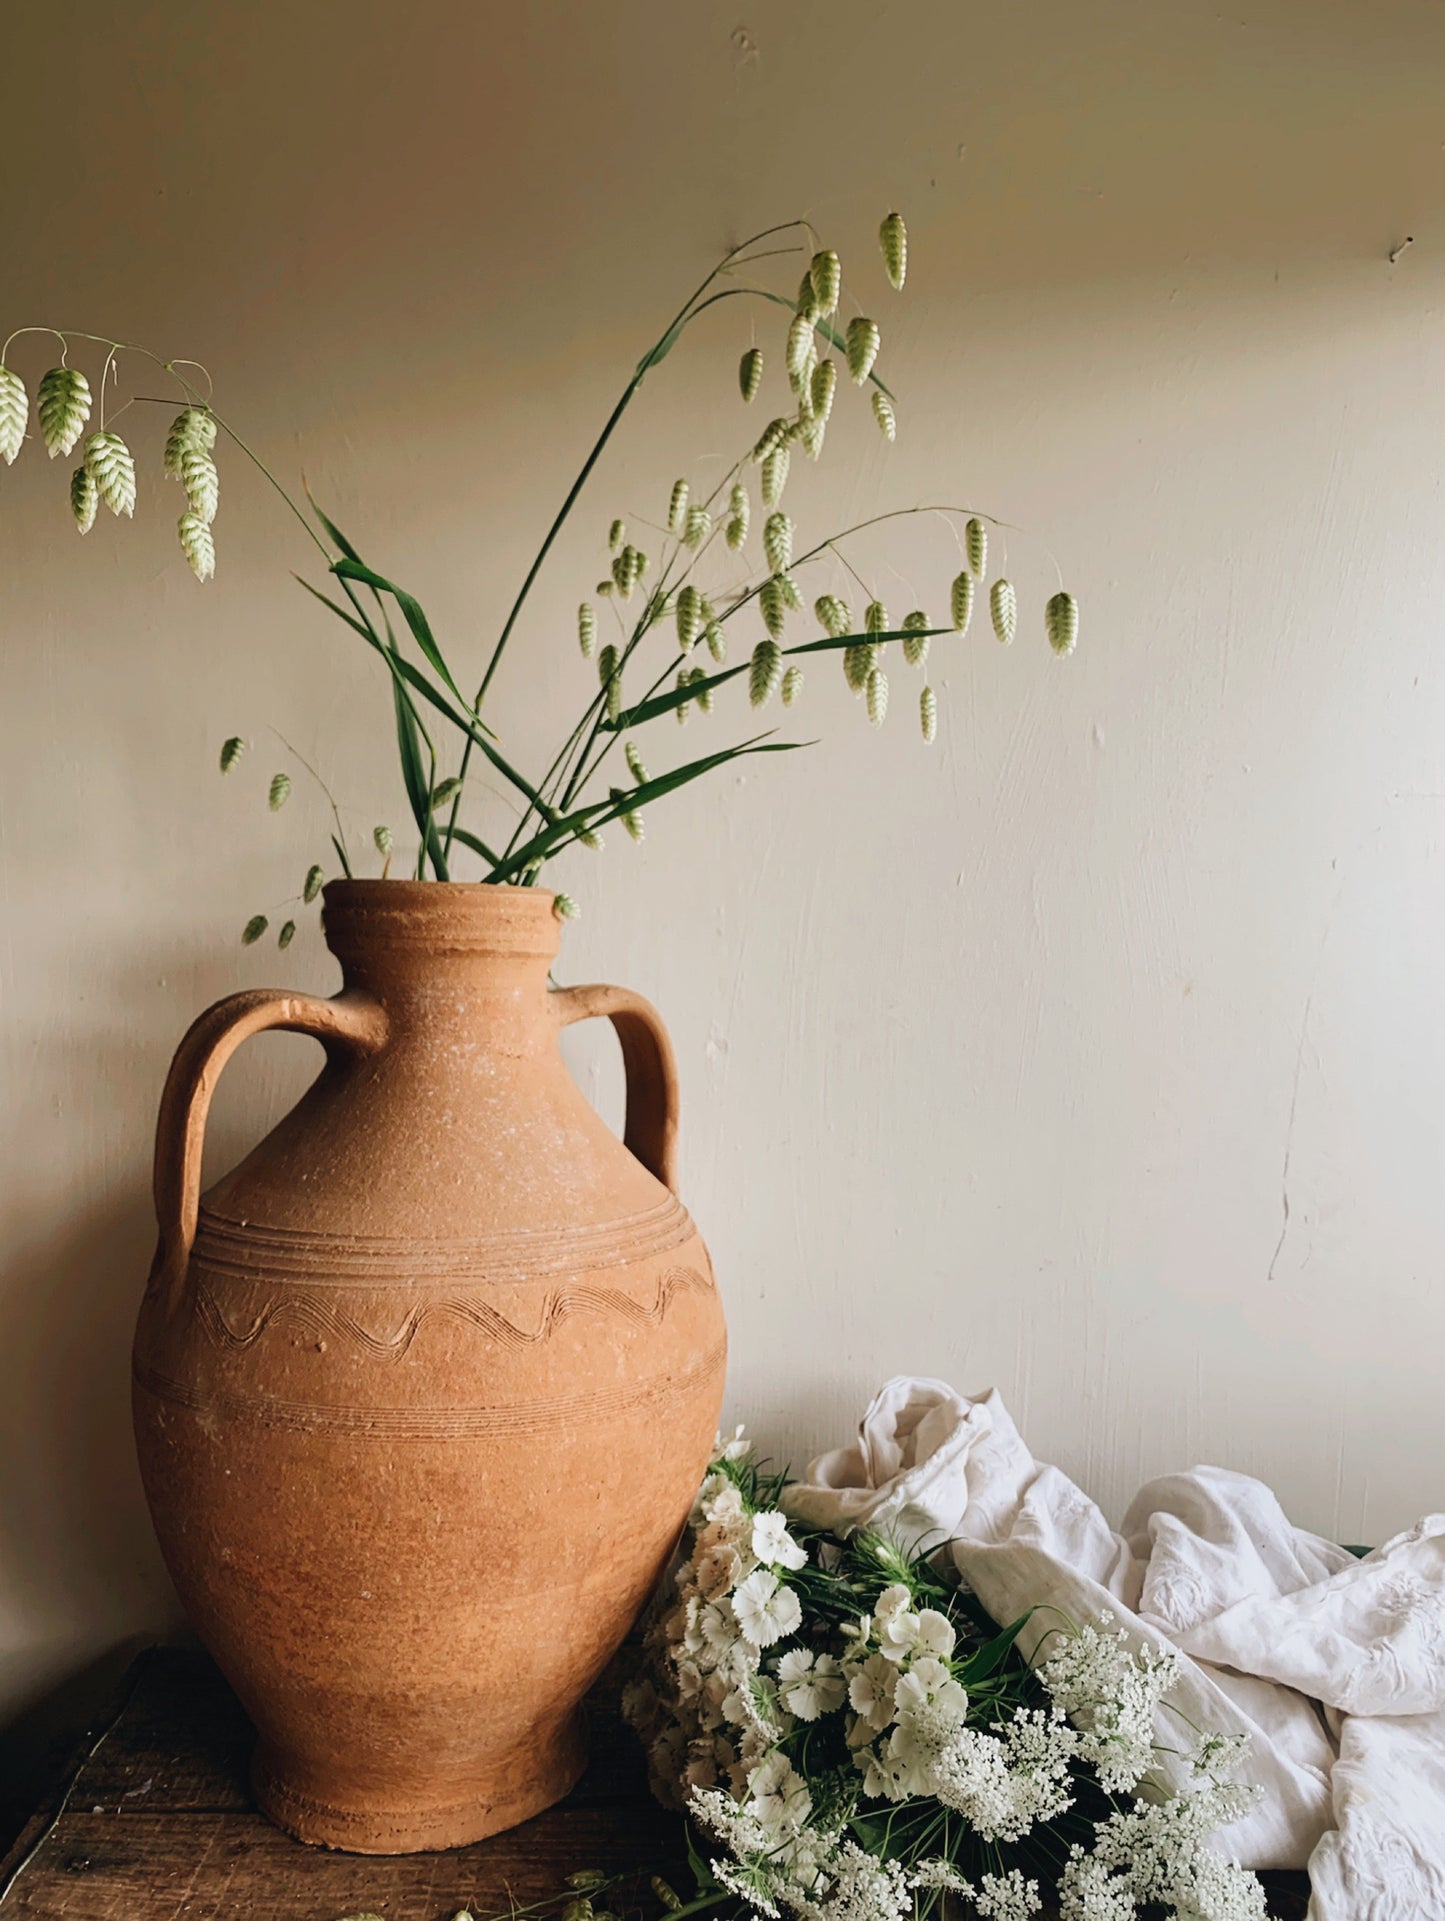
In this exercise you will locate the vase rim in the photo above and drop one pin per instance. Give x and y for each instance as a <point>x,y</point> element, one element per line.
<point>359,917</point>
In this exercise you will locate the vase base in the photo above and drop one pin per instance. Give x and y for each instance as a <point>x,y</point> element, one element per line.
<point>363,1824</point>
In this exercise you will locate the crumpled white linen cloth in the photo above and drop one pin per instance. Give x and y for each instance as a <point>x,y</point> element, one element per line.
<point>1334,1666</point>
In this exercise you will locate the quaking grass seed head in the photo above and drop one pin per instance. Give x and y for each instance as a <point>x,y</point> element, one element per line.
<point>287,935</point>
<point>975,545</point>
<point>826,275</point>
<point>688,614</point>
<point>311,886</point>
<point>915,640</point>
<point>960,601</point>
<point>587,629</point>
<point>833,615</point>
<point>14,414</point>
<point>197,544</point>
<point>859,660</point>
<point>677,508</point>
<point>778,540</point>
<point>253,930</point>
<point>765,672</point>
<point>862,342</point>
<point>62,406</point>
<point>750,373</point>
<point>822,388</point>
<point>791,592</point>
<point>1003,609</point>
<point>634,764</point>
<point>875,618</point>
<point>792,685</point>
<point>716,639</point>
<point>772,606</point>
<point>108,462</point>
<point>231,752</point>
<point>381,838</point>
<point>775,474</point>
<point>192,430</point>
<point>697,527</point>
<point>616,534</point>
<point>893,239</point>
<point>884,414</point>
<point>278,792</point>
<point>1061,621</point>
<point>201,482</point>
<point>84,499</point>
<point>801,352</point>
<point>928,714</point>
<point>877,691</point>
<point>564,907</point>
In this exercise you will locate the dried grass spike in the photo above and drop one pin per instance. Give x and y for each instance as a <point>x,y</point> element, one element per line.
<point>893,239</point>
<point>775,475</point>
<point>197,545</point>
<point>928,714</point>
<point>961,601</point>
<point>975,543</point>
<point>84,499</point>
<point>109,464</point>
<point>698,527</point>
<point>826,275</point>
<point>778,541</point>
<point>863,340</point>
<point>750,373</point>
<point>884,414</point>
<point>1061,619</point>
<point>231,752</point>
<point>677,508</point>
<point>877,696</point>
<point>14,414</point>
<point>1003,609</point>
<point>792,685</point>
<point>765,672</point>
<point>62,405</point>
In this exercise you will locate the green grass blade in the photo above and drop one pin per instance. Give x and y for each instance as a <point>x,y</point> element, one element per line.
<point>477,846</point>
<point>416,620</point>
<point>334,533</point>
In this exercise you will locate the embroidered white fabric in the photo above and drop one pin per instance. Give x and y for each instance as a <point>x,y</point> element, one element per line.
<point>1334,1666</point>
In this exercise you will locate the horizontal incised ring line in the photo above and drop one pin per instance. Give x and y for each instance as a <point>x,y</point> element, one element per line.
<point>228,1246</point>
<point>438,1424</point>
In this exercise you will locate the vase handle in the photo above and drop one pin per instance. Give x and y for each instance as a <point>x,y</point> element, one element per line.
<point>650,1129</point>
<point>350,1021</point>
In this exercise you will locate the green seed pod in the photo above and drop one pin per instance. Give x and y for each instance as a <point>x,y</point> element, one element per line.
<point>677,507</point>
<point>928,714</point>
<point>311,886</point>
<point>1061,619</point>
<point>826,275</point>
<point>62,404</point>
<point>231,752</point>
<point>775,475</point>
<point>382,838</point>
<point>772,436</point>
<point>833,615</point>
<point>885,416</point>
<point>716,640</point>
<point>616,534</point>
<point>750,373</point>
<point>824,385</point>
<point>287,935</point>
<point>791,592</point>
<point>445,792</point>
<point>84,499</point>
<point>961,601</point>
<point>792,685</point>
<point>689,615</point>
<point>253,930</point>
<point>197,545</point>
<point>915,644</point>
<point>587,629</point>
<point>14,414</point>
<point>564,907</point>
<point>893,239</point>
<point>975,542</point>
<point>201,482</point>
<point>1003,609</point>
<point>778,541</point>
<point>278,791</point>
<point>634,764</point>
<point>802,352</point>
<point>191,430</point>
<point>863,341</point>
<point>859,660</point>
<point>875,618</point>
<point>765,672</point>
<point>772,606</point>
<point>108,462</point>
<point>698,527</point>
<point>877,696</point>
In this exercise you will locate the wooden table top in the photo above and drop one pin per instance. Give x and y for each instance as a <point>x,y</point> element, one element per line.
<point>158,1825</point>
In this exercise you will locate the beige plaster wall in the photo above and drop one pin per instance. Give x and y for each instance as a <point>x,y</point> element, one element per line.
<point>1097,1054</point>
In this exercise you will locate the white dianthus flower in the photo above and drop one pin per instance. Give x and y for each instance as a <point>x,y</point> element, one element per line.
<point>778,1796</point>
<point>928,1683</point>
<point>717,1569</point>
<point>810,1685</point>
<point>765,1609</point>
<point>871,1688</point>
<point>773,1545</point>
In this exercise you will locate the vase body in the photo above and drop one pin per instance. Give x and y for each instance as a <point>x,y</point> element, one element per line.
<point>424,1386</point>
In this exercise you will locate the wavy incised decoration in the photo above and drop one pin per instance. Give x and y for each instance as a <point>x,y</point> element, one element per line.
<point>315,1313</point>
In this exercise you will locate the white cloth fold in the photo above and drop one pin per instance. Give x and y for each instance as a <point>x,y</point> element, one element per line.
<point>1334,1666</point>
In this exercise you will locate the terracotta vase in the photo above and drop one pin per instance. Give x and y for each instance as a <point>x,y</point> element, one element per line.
<point>424,1386</point>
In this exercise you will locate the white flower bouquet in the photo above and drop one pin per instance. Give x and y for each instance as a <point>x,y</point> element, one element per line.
<point>855,1739</point>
